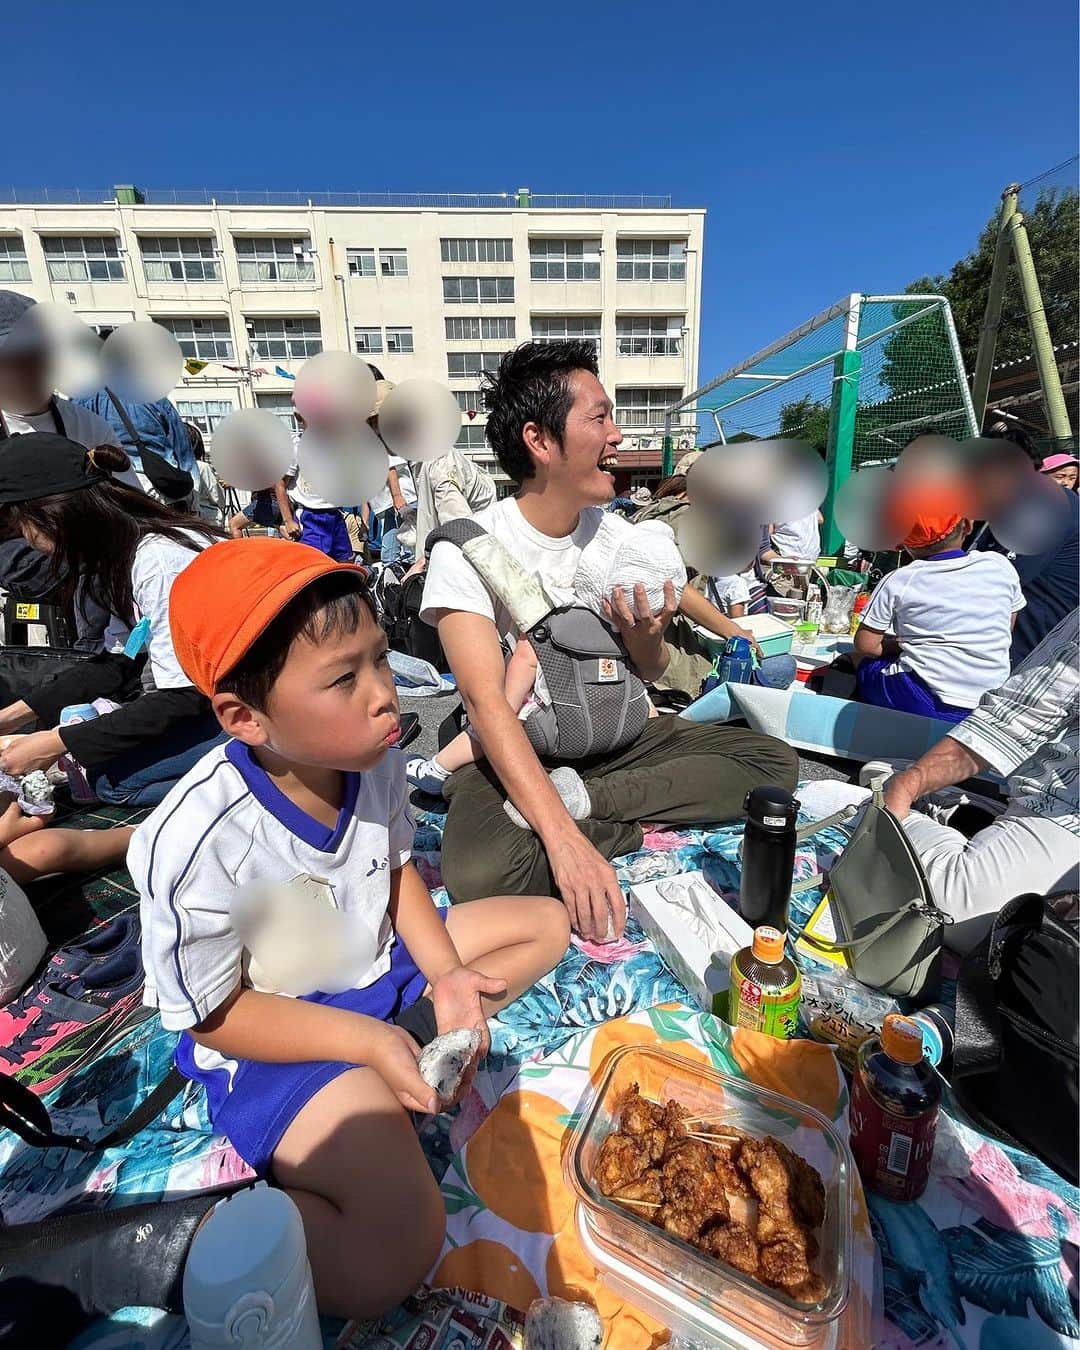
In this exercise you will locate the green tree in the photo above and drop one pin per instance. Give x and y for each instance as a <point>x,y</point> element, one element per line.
<point>805,419</point>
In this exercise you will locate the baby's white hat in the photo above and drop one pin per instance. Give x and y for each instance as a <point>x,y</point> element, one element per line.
<point>622,554</point>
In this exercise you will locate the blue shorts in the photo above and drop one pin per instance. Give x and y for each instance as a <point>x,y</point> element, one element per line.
<point>903,691</point>
<point>326,531</point>
<point>254,1104</point>
<point>263,511</point>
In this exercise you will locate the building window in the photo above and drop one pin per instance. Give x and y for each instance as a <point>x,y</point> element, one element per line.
<point>647,335</point>
<point>478,290</point>
<point>468,365</point>
<point>564,259</point>
<point>13,264</point>
<point>285,339</point>
<point>497,330</point>
<point>207,339</point>
<point>393,262</point>
<point>399,340</point>
<point>79,257</point>
<point>367,340</point>
<point>281,405</point>
<point>651,260</point>
<point>171,258</point>
<point>471,437</point>
<point>477,250</point>
<point>470,400</point>
<point>280,260</point>
<point>204,413</point>
<point>361,262</point>
<point>462,330</point>
<point>644,407</point>
<point>559,327</point>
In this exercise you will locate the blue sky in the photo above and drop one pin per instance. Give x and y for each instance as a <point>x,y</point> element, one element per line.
<point>837,147</point>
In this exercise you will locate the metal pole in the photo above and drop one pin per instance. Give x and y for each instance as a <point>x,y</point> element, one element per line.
<point>984,360</point>
<point>974,423</point>
<point>1057,415</point>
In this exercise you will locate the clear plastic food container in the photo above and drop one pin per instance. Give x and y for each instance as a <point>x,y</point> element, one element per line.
<point>697,1293</point>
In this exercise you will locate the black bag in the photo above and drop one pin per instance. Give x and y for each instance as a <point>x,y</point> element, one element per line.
<point>1017,1019</point>
<point>405,630</point>
<point>174,485</point>
<point>26,668</point>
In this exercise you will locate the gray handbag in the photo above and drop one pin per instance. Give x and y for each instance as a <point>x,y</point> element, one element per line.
<point>887,924</point>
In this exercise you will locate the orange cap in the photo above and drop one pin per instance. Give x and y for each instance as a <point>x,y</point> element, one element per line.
<point>901,1039</point>
<point>768,945</point>
<point>223,600</point>
<point>923,512</point>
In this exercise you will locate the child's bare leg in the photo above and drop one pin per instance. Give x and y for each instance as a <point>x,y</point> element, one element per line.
<point>373,1216</point>
<point>13,824</point>
<point>520,674</point>
<point>516,938</point>
<point>48,851</point>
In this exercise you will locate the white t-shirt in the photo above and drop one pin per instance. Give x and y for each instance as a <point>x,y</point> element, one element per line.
<point>157,563</point>
<point>795,538</point>
<point>225,825</point>
<point>952,618</point>
<point>724,592</point>
<point>453,583</point>
<point>384,501</point>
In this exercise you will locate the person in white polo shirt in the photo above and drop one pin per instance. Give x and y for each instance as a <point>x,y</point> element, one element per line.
<point>936,634</point>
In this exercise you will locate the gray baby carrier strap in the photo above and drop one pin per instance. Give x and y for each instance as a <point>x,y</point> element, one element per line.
<point>597,703</point>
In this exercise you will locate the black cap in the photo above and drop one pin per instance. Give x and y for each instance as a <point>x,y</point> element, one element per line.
<point>42,464</point>
<point>771,806</point>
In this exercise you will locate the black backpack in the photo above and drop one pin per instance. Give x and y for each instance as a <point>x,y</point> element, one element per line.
<point>1017,1022</point>
<point>405,630</point>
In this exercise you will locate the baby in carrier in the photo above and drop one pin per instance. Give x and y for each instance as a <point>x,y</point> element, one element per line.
<point>568,676</point>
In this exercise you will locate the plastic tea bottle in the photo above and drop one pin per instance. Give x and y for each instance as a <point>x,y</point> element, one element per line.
<point>737,665</point>
<point>858,609</point>
<point>765,986</point>
<point>895,1096</point>
<point>768,856</point>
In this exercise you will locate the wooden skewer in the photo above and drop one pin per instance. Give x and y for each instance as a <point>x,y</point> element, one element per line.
<point>645,1204</point>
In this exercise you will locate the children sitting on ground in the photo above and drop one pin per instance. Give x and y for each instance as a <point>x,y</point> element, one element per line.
<point>936,634</point>
<point>309,800</point>
<point>619,556</point>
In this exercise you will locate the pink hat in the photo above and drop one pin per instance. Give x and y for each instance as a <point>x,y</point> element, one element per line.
<point>1052,462</point>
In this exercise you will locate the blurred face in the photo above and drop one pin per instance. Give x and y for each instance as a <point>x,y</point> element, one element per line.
<point>334,704</point>
<point>1067,476</point>
<point>589,443</point>
<point>24,385</point>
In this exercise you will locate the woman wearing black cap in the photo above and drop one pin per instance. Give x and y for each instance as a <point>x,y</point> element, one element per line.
<point>127,550</point>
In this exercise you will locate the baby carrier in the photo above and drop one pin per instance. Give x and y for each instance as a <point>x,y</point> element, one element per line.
<point>596,703</point>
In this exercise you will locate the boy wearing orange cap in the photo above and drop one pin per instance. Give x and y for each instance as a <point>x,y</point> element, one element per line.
<point>299,827</point>
<point>936,634</point>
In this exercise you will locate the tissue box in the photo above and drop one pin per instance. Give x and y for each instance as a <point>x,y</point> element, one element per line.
<point>688,942</point>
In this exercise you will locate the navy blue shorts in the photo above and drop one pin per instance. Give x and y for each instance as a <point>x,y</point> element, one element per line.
<point>326,531</point>
<point>263,1100</point>
<point>902,691</point>
<point>263,511</point>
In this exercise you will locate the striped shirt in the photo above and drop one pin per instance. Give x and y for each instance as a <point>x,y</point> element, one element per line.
<point>1027,729</point>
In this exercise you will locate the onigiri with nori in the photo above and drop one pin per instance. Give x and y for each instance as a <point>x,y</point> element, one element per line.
<point>444,1063</point>
<point>555,1324</point>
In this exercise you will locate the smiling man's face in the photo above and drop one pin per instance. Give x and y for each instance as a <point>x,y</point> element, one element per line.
<point>590,442</point>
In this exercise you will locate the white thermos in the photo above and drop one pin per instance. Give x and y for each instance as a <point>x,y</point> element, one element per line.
<point>247,1282</point>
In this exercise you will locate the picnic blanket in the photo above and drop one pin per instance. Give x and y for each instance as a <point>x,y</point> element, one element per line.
<point>987,1259</point>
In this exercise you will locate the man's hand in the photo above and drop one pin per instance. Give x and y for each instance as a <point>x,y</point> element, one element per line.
<point>393,1054</point>
<point>456,999</point>
<point>754,645</point>
<point>589,888</point>
<point>642,631</point>
<point>901,791</point>
<point>23,754</point>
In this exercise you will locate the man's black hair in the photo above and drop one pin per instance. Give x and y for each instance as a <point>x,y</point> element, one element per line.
<point>333,604</point>
<point>532,384</point>
<point>1006,431</point>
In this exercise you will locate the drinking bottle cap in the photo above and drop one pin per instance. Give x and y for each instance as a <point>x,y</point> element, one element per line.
<point>771,806</point>
<point>769,946</point>
<point>901,1039</point>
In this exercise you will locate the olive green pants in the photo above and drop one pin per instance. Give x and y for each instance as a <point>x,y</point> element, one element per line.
<point>675,773</point>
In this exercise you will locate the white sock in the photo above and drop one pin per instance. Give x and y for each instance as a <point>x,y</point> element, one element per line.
<point>426,774</point>
<point>572,791</point>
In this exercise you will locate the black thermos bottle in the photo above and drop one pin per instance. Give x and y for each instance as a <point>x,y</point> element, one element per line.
<point>768,856</point>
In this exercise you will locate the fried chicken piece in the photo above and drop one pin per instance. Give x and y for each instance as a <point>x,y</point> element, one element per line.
<point>732,1180</point>
<point>637,1114</point>
<point>621,1160</point>
<point>735,1245</point>
<point>673,1120</point>
<point>773,1185</point>
<point>684,1218</point>
<point>812,1291</point>
<point>647,1187</point>
<point>784,1265</point>
<point>807,1191</point>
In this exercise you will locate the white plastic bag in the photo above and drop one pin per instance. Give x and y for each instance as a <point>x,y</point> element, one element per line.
<point>22,939</point>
